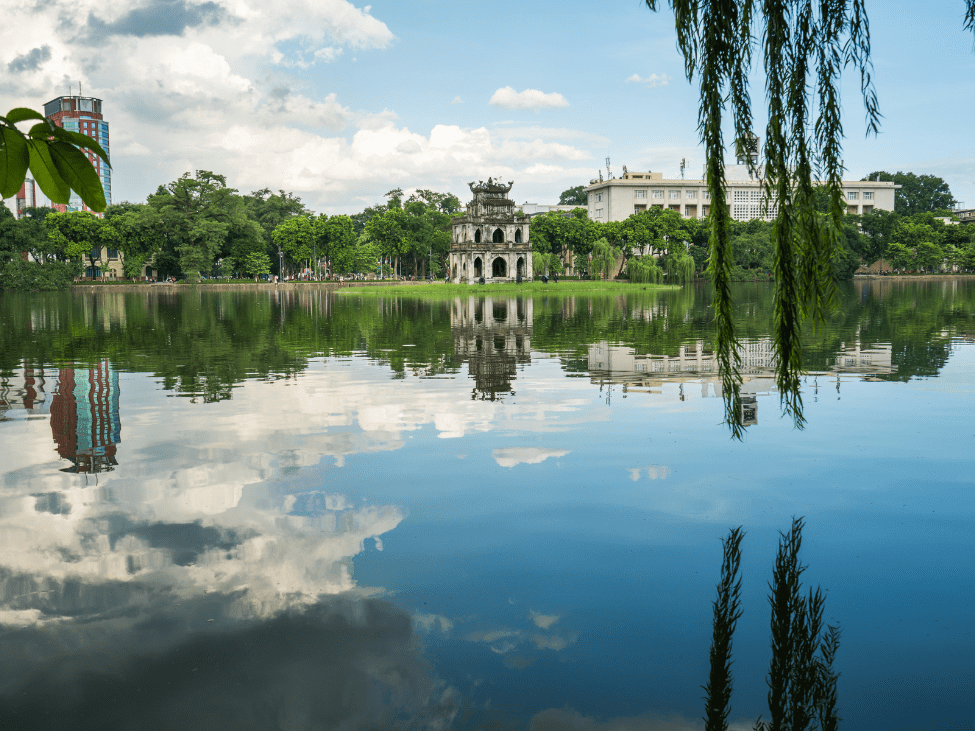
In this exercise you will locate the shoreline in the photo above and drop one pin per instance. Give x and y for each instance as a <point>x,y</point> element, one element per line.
<point>227,286</point>
<point>263,286</point>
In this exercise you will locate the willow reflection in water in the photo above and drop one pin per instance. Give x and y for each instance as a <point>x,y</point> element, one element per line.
<point>521,539</point>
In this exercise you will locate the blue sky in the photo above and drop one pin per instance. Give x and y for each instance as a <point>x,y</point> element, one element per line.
<point>341,102</point>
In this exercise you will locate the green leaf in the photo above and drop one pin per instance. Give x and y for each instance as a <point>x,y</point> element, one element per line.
<point>42,131</point>
<point>21,113</point>
<point>46,173</point>
<point>14,160</point>
<point>80,140</point>
<point>77,170</point>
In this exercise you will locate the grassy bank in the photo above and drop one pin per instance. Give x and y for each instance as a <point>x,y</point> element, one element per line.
<point>454,290</point>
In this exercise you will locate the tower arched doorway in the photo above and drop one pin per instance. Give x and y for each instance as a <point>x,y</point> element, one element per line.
<point>499,268</point>
<point>478,273</point>
<point>498,236</point>
<point>521,266</point>
<point>477,236</point>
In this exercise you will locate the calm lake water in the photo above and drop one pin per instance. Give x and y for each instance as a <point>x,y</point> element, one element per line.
<point>307,511</point>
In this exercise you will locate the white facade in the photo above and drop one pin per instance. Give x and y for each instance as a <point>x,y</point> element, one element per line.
<point>619,198</point>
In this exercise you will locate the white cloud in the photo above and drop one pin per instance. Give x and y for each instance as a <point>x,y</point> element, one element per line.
<point>527,99</point>
<point>511,456</point>
<point>225,90</point>
<point>328,54</point>
<point>428,622</point>
<point>456,100</point>
<point>544,621</point>
<point>538,132</point>
<point>654,472</point>
<point>651,81</point>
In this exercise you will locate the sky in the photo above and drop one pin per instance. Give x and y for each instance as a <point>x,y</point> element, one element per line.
<point>340,103</point>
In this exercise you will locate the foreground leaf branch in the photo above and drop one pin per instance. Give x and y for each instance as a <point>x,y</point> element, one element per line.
<point>55,157</point>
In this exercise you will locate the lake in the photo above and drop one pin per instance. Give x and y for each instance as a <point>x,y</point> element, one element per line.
<point>308,510</point>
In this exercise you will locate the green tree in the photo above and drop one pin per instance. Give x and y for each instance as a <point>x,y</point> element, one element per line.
<point>79,234</point>
<point>296,239</point>
<point>604,258</point>
<point>878,228</point>
<point>142,234</point>
<point>899,256</point>
<point>199,212</point>
<point>336,242</point>
<point>255,264</point>
<point>386,231</point>
<point>918,193</point>
<point>929,256</point>
<point>574,196</point>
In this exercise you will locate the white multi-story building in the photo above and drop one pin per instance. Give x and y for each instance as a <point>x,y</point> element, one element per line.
<point>617,199</point>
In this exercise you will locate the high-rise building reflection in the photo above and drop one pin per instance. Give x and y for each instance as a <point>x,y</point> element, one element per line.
<point>26,389</point>
<point>85,418</point>
<point>493,336</point>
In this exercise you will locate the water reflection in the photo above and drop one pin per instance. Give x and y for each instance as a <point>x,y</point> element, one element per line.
<point>366,489</point>
<point>187,589</point>
<point>619,365</point>
<point>85,419</point>
<point>493,335</point>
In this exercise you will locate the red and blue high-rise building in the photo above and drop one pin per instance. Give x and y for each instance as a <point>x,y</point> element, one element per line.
<point>83,114</point>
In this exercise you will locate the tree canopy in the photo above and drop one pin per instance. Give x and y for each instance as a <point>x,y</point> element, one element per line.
<point>574,196</point>
<point>918,193</point>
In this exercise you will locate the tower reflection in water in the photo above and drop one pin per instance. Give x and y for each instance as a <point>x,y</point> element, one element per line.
<point>85,418</point>
<point>493,336</point>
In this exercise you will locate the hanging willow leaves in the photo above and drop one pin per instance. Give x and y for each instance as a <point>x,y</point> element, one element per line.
<point>805,45</point>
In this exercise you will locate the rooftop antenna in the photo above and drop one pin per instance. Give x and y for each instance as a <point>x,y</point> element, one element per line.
<point>609,173</point>
<point>683,164</point>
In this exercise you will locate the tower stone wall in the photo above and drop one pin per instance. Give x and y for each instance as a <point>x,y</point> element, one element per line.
<point>490,241</point>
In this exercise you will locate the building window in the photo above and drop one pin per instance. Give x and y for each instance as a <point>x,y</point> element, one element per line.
<point>599,213</point>
<point>706,195</point>
<point>692,194</point>
<point>852,196</point>
<point>868,195</point>
<point>867,209</point>
<point>658,194</point>
<point>640,194</point>
<point>599,197</point>
<point>675,195</point>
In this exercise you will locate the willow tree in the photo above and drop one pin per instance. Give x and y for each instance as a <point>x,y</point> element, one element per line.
<point>804,47</point>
